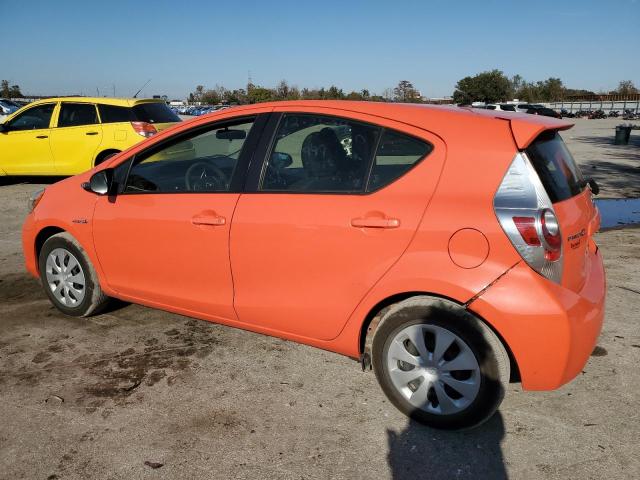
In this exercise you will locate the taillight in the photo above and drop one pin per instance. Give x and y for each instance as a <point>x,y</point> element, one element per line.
<point>526,214</point>
<point>145,129</point>
<point>527,228</point>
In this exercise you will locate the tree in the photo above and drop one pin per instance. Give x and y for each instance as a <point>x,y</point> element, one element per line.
<point>334,93</point>
<point>552,90</point>
<point>11,92</point>
<point>488,87</point>
<point>4,88</point>
<point>260,94</point>
<point>282,90</point>
<point>626,87</point>
<point>405,92</point>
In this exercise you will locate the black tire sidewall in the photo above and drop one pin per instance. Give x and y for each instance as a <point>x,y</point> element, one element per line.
<point>491,389</point>
<point>60,242</point>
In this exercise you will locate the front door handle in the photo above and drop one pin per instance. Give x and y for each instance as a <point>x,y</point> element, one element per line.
<point>91,133</point>
<point>375,222</point>
<point>214,220</point>
<point>42,136</point>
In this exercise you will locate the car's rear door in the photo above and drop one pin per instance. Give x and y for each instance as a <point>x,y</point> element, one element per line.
<point>75,138</point>
<point>164,238</point>
<point>334,206</point>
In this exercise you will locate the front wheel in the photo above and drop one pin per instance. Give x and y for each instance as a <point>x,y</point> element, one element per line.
<point>68,277</point>
<point>439,364</point>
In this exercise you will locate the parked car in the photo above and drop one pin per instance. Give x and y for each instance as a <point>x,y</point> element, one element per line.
<point>66,136</point>
<point>447,248</point>
<point>7,107</point>
<point>544,111</point>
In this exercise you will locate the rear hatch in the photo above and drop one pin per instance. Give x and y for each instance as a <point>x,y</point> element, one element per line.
<point>567,189</point>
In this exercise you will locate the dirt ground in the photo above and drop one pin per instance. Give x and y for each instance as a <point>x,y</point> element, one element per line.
<point>616,168</point>
<point>140,393</point>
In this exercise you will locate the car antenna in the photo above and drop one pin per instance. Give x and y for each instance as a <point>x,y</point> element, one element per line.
<point>136,95</point>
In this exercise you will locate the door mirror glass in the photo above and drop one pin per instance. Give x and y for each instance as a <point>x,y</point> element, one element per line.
<point>100,182</point>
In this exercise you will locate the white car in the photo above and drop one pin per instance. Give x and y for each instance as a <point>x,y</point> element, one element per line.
<point>7,107</point>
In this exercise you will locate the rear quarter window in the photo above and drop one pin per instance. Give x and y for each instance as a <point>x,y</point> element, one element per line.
<point>558,171</point>
<point>397,153</point>
<point>115,114</point>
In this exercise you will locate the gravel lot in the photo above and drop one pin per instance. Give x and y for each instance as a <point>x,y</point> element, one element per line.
<point>98,398</point>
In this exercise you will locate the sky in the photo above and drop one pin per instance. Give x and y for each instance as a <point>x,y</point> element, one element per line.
<point>81,47</point>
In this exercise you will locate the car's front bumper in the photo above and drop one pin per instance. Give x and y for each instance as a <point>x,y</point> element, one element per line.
<point>550,330</point>
<point>29,245</point>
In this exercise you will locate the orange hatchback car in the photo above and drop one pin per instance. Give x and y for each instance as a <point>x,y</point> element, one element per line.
<point>449,249</point>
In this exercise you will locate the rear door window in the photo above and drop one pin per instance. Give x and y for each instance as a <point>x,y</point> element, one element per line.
<point>316,153</point>
<point>77,114</point>
<point>561,177</point>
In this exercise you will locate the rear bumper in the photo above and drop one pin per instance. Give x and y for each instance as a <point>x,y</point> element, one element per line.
<point>550,329</point>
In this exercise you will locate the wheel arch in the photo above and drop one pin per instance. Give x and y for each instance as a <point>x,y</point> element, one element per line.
<point>104,154</point>
<point>368,327</point>
<point>42,236</point>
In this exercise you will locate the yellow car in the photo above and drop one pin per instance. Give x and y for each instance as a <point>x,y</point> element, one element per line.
<point>66,136</point>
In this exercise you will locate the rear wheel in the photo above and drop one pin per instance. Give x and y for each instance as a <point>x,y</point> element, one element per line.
<point>68,277</point>
<point>439,364</point>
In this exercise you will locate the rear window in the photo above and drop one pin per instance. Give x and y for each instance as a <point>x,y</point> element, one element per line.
<point>154,113</point>
<point>556,167</point>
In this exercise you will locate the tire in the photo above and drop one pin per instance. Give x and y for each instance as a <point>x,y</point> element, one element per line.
<point>429,387</point>
<point>68,277</point>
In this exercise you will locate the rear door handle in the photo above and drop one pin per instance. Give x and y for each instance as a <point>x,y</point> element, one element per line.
<point>214,220</point>
<point>42,136</point>
<point>375,222</point>
<point>91,133</point>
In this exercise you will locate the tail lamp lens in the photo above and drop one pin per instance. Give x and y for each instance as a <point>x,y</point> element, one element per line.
<point>551,233</point>
<point>526,215</point>
<point>527,228</point>
<point>145,129</point>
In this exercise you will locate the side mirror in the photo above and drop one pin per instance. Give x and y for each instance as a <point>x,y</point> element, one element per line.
<point>280,161</point>
<point>100,182</point>
<point>593,185</point>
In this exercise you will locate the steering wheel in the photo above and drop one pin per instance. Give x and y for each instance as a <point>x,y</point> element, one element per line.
<point>206,177</point>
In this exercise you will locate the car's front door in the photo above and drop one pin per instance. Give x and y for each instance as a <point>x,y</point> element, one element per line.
<point>24,145</point>
<point>75,138</point>
<point>334,209</point>
<point>164,238</point>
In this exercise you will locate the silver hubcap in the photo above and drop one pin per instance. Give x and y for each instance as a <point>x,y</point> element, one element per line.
<point>65,277</point>
<point>433,369</point>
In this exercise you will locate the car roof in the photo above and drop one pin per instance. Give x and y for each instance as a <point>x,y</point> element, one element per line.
<point>525,127</point>
<point>122,102</point>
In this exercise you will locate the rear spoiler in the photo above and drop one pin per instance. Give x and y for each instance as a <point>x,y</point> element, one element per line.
<point>525,130</point>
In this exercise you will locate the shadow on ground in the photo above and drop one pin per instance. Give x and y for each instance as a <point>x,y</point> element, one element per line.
<point>618,169</point>
<point>421,452</point>
<point>35,180</point>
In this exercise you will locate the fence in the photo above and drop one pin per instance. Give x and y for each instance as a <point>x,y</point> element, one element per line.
<point>605,105</point>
